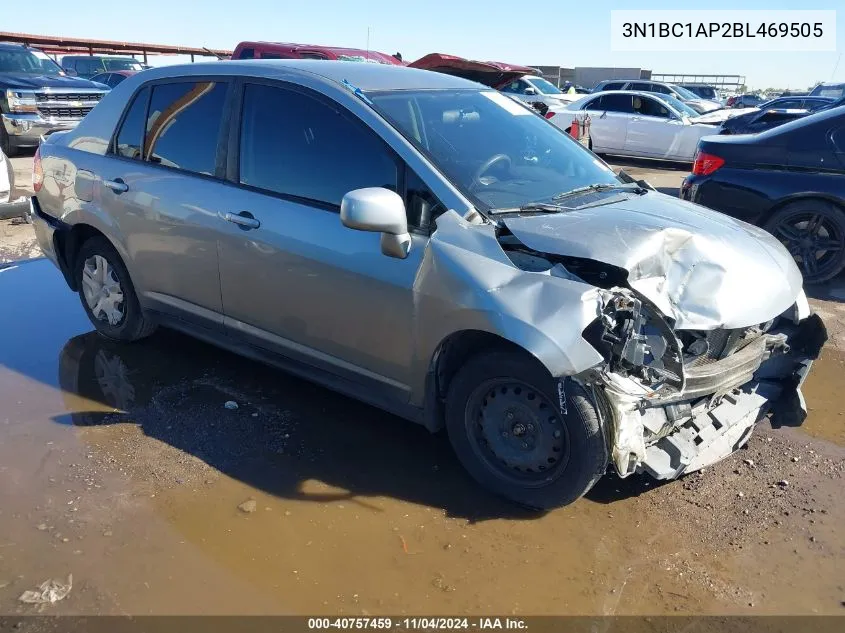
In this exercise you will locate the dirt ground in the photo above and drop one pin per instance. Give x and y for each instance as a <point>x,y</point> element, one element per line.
<point>121,465</point>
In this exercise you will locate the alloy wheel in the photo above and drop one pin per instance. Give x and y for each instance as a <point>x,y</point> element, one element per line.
<point>816,241</point>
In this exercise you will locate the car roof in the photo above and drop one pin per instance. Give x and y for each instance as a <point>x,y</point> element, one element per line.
<point>640,93</point>
<point>125,73</point>
<point>9,46</point>
<point>363,75</point>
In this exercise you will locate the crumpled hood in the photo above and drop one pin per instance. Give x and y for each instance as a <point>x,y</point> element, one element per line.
<point>28,81</point>
<point>703,269</point>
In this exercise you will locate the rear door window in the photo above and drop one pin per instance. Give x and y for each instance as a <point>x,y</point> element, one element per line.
<point>183,125</point>
<point>315,152</point>
<point>130,138</point>
<point>617,103</point>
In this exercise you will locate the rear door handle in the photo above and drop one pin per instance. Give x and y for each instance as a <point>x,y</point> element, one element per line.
<point>117,185</point>
<point>244,220</point>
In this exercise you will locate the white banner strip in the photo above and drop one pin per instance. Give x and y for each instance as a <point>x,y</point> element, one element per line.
<point>746,31</point>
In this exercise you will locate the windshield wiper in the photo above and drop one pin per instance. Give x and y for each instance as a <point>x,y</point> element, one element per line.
<point>546,207</point>
<point>598,187</point>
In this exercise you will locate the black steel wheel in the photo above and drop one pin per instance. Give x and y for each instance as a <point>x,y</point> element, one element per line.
<point>517,431</point>
<point>523,434</point>
<point>813,231</point>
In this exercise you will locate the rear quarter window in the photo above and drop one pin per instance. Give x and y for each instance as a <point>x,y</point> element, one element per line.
<point>130,137</point>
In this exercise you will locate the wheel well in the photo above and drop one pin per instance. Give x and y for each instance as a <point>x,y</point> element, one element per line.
<point>452,353</point>
<point>67,249</point>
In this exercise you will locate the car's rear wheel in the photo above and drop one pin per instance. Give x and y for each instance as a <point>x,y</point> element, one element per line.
<point>107,293</point>
<point>523,434</point>
<point>813,231</point>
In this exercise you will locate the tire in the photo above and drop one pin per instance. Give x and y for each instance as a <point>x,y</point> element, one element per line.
<point>804,227</point>
<point>520,466</point>
<point>6,143</point>
<point>132,324</point>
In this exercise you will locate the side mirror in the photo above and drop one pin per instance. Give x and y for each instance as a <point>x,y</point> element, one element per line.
<point>378,210</point>
<point>530,91</point>
<point>70,72</point>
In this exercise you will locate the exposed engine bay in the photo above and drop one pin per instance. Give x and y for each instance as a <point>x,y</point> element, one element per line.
<point>675,400</point>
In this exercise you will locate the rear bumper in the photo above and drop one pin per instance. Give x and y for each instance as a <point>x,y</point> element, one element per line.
<point>45,230</point>
<point>25,130</point>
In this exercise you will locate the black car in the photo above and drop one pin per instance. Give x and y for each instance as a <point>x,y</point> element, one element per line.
<point>789,180</point>
<point>773,113</point>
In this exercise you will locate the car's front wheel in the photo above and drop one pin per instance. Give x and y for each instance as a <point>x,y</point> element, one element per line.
<point>523,434</point>
<point>107,293</point>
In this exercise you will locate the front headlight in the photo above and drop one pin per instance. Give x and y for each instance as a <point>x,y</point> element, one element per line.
<point>21,101</point>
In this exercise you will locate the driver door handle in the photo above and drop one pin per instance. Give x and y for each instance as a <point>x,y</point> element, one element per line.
<point>117,185</point>
<point>243,219</point>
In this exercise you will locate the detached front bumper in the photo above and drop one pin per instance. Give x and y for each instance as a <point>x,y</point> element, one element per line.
<point>722,402</point>
<point>25,130</point>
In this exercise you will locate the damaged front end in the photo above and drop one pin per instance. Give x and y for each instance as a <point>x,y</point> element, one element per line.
<point>680,400</point>
<point>678,395</point>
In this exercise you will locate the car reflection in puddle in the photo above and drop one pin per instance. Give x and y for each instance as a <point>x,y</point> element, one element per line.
<point>284,432</point>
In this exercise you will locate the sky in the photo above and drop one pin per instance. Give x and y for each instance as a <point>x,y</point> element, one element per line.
<point>565,34</point>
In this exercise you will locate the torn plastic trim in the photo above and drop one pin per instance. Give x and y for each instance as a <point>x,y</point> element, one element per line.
<point>667,438</point>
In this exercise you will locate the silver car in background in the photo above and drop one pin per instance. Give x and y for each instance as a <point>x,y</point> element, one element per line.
<point>702,106</point>
<point>425,244</point>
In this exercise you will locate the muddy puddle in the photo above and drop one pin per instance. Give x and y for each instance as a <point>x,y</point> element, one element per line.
<point>121,465</point>
<point>824,391</point>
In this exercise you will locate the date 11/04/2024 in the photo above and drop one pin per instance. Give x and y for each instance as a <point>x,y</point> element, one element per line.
<point>417,623</point>
<point>722,29</point>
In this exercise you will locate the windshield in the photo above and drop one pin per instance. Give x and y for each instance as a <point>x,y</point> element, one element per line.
<point>705,92</point>
<point>686,94</point>
<point>497,152</point>
<point>833,91</point>
<point>28,61</point>
<point>123,64</point>
<point>545,87</point>
<point>680,106</point>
